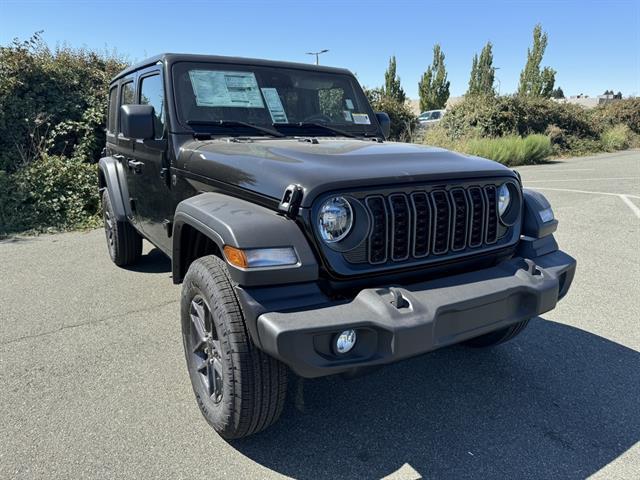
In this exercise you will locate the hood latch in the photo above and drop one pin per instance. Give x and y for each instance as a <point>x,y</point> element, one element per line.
<point>291,200</point>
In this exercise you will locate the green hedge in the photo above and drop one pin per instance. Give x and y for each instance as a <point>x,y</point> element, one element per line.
<point>52,117</point>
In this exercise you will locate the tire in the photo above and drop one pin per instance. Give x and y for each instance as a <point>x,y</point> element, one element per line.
<point>240,390</point>
<point>123,241</point>
<point>499,336</point>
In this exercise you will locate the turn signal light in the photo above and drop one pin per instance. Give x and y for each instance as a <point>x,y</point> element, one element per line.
<point>235,256</point>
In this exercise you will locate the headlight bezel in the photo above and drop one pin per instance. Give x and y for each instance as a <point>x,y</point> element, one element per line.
<point>512,210</point>
<point>322,231</point>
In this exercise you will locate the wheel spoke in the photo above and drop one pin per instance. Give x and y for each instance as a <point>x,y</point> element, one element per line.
<point>197,315</point>
<point>216,378</point>
<point>215,348</point>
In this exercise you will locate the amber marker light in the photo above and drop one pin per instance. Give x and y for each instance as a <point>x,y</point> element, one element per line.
<point>235,256</point>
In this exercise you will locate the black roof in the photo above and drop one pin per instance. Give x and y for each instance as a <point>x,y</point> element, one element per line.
<point>187,57</point>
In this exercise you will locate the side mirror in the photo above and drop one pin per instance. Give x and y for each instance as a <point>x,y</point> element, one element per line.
<point>136,121</point>
<point>385,123</point>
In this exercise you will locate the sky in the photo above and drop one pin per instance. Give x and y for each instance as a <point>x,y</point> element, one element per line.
<point>593,45</point>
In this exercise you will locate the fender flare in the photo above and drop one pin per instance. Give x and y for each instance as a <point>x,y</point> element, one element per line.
<point>112,177</point>
<point>231,221</point>
<point>532,224</point>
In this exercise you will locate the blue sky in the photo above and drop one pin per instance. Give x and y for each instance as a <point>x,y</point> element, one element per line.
<point>593,45</point>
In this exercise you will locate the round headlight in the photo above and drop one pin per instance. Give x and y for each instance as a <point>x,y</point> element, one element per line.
<point>504,199</point>
<point>335,219</point>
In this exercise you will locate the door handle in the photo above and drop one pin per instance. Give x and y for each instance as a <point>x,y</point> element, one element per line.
<point>135,165</point>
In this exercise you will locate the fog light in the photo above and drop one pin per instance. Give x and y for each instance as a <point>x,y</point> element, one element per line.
<point>345,341</point>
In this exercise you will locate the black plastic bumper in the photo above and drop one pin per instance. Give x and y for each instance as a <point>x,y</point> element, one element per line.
<point>397,322</point>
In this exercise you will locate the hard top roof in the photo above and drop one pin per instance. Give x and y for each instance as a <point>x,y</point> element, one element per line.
<point>186,57</point>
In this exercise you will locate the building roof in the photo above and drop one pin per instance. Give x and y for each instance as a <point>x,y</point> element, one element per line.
<point>187,57</point>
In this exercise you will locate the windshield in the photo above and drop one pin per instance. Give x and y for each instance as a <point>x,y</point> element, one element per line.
<point>291,101</point>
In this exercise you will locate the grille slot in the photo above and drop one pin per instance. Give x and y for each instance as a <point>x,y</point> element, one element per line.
<point>422,223</point>
<point>476,199</point>
<point>422,216</point>
<point>442,214</point>
<point>460,211</point>
<point>400,227</point>
<point>492,214</point>
<point>378,237</point>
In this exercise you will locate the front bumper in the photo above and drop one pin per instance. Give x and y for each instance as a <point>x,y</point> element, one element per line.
<point>397,322</point>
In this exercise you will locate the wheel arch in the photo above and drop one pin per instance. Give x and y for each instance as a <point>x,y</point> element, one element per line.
<point>112,178</point>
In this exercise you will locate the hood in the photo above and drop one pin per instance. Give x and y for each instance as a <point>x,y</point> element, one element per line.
<point>267,167</point>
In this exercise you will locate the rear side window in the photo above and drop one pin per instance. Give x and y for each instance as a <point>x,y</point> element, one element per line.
<point>152,93</point>
<point>113,106</point>
<point>126,95</point>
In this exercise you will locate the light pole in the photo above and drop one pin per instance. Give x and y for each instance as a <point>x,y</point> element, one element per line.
<point>317,54</point>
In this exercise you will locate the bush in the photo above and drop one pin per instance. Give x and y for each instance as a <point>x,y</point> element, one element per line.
<point>514,115</point>
<point>52,119</point>
<point>616,138</point>
<point>404,123</point>
<point>626,112</point>
<point>53,191</point>
<point>511,150</point>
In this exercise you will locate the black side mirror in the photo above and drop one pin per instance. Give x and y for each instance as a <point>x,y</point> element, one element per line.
<point>136,121</point>
<point>385,123</point>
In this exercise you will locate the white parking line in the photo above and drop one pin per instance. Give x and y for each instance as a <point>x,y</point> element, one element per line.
<point>624,197</point>
<point>631,205</point>
<point>582,179</point>
<point>553,170</point>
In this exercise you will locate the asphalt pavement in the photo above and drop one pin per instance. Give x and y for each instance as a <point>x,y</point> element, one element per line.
<point>93,382</point>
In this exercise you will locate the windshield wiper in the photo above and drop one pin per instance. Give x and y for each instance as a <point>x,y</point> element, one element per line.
<point>235,123</point>
<point>318,125</point>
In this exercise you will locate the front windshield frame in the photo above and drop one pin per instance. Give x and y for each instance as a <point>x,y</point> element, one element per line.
<point>357,99</point>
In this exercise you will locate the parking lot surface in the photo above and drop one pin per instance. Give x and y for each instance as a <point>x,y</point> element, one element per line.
<point>93,382</point>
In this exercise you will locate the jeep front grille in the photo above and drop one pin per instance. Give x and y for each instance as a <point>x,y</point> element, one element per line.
<point>423,223</point>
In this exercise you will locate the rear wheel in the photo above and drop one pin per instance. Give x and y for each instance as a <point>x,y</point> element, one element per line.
<point>499,336</point>
<point>240,390</point>
<point>123,241</point>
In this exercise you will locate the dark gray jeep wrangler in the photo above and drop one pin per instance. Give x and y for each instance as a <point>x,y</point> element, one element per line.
<point>302,238</point>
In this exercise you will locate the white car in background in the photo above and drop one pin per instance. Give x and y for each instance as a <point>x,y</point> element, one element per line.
<point>430,117</point>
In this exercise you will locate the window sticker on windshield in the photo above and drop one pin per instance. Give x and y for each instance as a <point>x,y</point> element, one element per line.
<point>278,115</point>
<point>361,118</point>
<point>347,115</point>
<point>225,89</point>
<point>349,103</point>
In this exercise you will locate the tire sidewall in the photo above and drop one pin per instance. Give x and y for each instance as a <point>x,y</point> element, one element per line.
<point>196,283</point>
<point>112,247</point>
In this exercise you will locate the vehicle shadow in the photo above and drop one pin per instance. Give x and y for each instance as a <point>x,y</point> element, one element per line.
<point>557,402</point>
<point>153,262</point>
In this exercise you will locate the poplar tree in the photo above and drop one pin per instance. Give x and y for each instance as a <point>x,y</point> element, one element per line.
<point>533,81</point>
<point>433,87</point>
<point>482,73</point>
<point>392,88</point>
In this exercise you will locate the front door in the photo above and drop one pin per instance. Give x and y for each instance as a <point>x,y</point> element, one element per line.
<point>153,204</point>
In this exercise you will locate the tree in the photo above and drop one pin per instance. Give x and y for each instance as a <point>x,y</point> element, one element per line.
<point>392,87</point>
<point>557,93</point>
<point>533,81</point>
<point>482,73</point>
<point>433,88</point>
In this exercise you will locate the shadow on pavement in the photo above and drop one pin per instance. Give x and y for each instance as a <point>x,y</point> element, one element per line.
<point>557,402</point>
<point>153,262</point>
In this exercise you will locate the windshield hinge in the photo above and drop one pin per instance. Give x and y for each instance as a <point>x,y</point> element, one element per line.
<point>291,200</point>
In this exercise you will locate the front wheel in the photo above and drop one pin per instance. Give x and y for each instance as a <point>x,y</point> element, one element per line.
<point>240,390</point>
<point>499,336</point>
